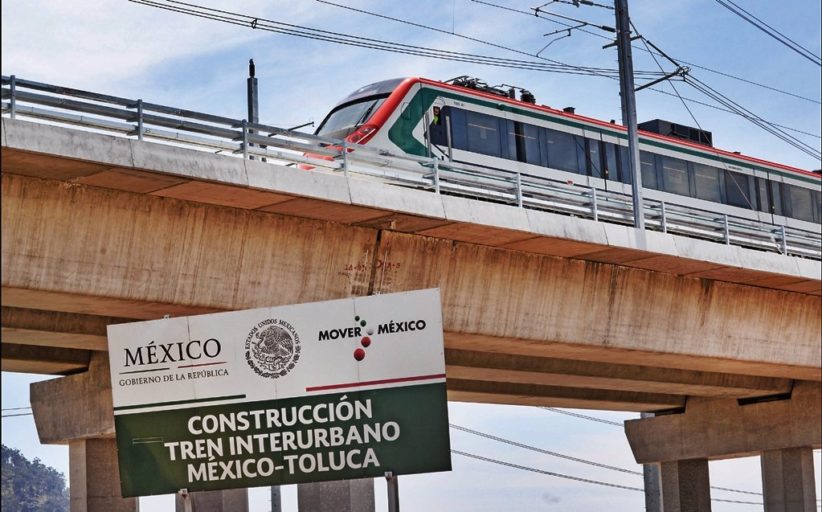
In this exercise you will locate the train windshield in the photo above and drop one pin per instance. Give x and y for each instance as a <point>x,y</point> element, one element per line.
<point>349,116</point>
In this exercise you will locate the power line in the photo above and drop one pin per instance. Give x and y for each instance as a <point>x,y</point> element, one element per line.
<point>602,36</point>
<point>772,32</point>
<point>545,472</point>
<point>16,408</point>
<point>576,478</point>
<point>583,416</point>
<point>20,414</point>
<point>576,459</point>
<point>540,450</point>
<point>364,42</point>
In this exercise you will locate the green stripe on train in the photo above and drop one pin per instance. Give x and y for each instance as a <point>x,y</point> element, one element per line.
<point>400,132</point>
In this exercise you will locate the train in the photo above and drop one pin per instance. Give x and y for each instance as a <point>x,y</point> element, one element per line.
<point>465,120</point>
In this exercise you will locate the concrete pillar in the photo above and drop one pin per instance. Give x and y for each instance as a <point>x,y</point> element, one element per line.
<point>230,500</point>
<point>653,493</point>
<point>341,496</point>
<point>788,483</point>
<point>650,474</point>
<point>685,486</point>
<point>94,478</point>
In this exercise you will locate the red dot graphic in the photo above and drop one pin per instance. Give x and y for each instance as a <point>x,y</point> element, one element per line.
<point>366,341</point>
<point>359,354</point>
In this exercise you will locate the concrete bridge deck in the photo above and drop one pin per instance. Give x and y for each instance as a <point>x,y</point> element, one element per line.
<point>539,308</point>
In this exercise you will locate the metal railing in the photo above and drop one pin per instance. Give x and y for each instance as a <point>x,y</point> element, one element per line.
<point>277,146</point>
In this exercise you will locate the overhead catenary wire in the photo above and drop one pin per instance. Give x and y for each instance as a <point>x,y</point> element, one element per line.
<point>670,82</point>
<point>691,64</point>
<point>461,36</point>
<point>488,43</point>
<point>644,41</point>
<point>257,23</point>
<point>773,128</point>
<point>335,37</point>
<point>772,32</point>
<point>750,116</point>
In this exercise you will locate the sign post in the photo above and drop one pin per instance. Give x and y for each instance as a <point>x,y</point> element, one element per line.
<point>344,389</point>
<point>393,492</point>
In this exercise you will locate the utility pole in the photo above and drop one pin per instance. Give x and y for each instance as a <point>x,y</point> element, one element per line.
<point>251,95</point>
<point>251,87</point>
<point>626,93</point>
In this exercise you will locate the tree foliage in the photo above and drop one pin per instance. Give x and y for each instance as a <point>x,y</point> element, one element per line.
<point>31,486</point>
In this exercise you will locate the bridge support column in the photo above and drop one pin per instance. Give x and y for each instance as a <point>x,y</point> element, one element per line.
<point>342,496</point>
<point>788,480</point>
<point>77,410</point>
<point>784,429</point>
<point>230,500</point>
<point>685,486</point>
<point>94,478</point>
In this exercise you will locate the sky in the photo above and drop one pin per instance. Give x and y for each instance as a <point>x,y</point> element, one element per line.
<point>130,50</point>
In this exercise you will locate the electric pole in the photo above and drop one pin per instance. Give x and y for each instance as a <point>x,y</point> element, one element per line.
<point>626,93</point>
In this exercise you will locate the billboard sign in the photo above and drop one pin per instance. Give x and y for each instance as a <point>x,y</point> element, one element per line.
<point>349,388</point>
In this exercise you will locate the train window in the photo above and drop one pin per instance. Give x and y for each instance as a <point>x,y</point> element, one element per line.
<point>439,126</point>
<point>562,151</point>
<point>582,154</point>
<point>706,180</point>
<point>762,195</point>
<point>483,133</point>
<point>625,171</point>
<point>776,198</point>
<point>675,177</point>
<point>611,159</point>
<point>801,202</point>
<point>525,139</point>
<point>347,118</point>
<point>817,207</point>
<point>738,190</point>
<point>595,167</point>
<point>648,167</point>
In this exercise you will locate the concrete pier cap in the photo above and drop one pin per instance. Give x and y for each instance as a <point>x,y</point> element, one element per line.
<point>728,428</point>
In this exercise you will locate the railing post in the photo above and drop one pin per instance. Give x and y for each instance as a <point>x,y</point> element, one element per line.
<point>727,229</point>
<point>663,217</point>
<point>783,240</point>
<point>13,102</point>
<point>519,189</point>
<point>594,208</point>
<point>140,127</point>
<point>436,169</point>
<point>345,157</point>
<point>245,139</point>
